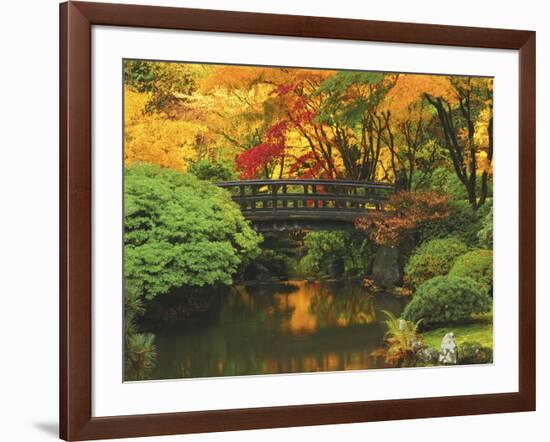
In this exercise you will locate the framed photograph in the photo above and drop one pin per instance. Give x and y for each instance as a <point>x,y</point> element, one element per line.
<point>273,220</point>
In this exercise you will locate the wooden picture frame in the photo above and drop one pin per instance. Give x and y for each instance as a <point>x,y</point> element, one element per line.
<point>76,421</point>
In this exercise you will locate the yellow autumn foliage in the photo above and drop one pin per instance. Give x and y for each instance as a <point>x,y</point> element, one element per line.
<point>231,109</point>
<point>153,138</point>
<point>481,139</point>
<point>403,98</point>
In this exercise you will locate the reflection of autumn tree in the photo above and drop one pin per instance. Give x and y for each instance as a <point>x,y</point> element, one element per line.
<point>343,310</point>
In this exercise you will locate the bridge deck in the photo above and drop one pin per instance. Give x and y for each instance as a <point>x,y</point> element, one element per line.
<point>274,204</point>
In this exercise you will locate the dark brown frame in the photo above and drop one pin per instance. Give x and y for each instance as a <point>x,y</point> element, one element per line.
<point>76,421</point>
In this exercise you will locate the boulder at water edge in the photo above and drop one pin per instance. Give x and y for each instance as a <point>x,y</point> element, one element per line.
<point>336,269</point>
<point>385,269</point>
<point>257,272</point>
<point>448,351</point>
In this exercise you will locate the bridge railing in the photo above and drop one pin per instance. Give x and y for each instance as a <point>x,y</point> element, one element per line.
<point>308,195</point>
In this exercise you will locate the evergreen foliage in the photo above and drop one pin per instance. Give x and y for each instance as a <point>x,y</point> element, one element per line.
<point>181,231</point>
<point>447,300</point>
<point>433,258</point>
<point>213,170</point>
<point>478,265</point>
<point>485,234</point>
<point>325,248</point>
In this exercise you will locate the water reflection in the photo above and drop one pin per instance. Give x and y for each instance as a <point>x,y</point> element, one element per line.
<point>277,328</point>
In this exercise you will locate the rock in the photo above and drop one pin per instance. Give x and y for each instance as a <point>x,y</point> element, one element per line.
<point>474,353</point>
<point>257,272</point>
<point>448,351</point>
<point>336,269</point>
<point>427,356</point>
<point>385,269</point>
<point>417,344</point>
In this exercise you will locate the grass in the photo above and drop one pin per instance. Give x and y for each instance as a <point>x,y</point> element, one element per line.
<point>479,330</point>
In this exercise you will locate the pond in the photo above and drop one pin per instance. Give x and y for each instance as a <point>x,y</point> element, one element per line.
<point>289,327</point>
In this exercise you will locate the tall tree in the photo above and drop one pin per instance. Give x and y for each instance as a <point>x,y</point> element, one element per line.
<point>412,146</point>
<point>462,124</point>
<point>463,106</point>
<point>351,111</point>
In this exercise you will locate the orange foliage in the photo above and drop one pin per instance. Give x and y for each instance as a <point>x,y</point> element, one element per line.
<point>407,210</point>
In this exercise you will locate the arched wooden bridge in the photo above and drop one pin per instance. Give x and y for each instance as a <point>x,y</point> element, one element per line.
<point>300,204</point>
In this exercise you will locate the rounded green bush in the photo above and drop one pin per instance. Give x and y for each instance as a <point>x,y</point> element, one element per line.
<point>474,353</point>
<point>446,300</point>
<point>477,264</point>
<point>433,258</point>
<point>181,231</point>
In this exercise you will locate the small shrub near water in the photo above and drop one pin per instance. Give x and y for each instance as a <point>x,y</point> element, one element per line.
<point>433,258</point>
<point>139,348</point>
<point>478,265</point>
<point>447,299</point>
<point>139,356</point>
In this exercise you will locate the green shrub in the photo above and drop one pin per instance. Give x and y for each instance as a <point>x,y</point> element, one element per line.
<point>275,261</point>
<point>474,353</point>
<point>485,234</point>
<point>140,356</point>
<point>447,299</point>
<point>446,181</point>
<point>463,222</point>
<point>213,170</point>
<point>324,248</point>
<point>478,265</point>
<point>433,258</point>
<point>139,349</point>
<point>181,231</point>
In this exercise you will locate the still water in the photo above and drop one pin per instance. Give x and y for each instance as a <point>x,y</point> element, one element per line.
<point>289,327</point>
